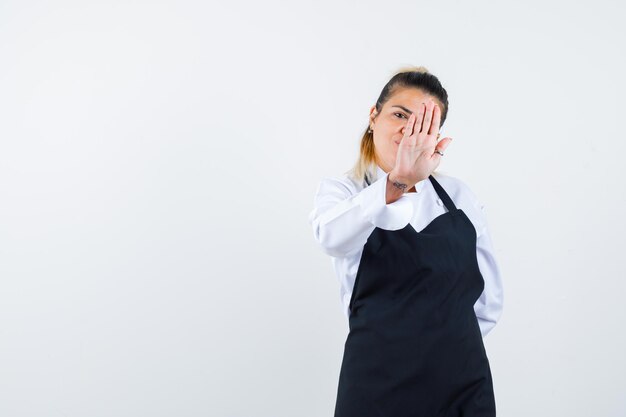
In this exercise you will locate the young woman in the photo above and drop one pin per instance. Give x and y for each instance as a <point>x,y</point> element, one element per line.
<point>419,282</point>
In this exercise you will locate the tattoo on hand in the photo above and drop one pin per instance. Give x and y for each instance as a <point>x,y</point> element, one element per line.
<point>399,185</point>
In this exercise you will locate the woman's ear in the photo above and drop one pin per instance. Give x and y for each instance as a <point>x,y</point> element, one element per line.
<point>373,114</point>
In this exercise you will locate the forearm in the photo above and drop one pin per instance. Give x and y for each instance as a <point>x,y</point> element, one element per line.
<point>395,189</point>
<point>342,221</point>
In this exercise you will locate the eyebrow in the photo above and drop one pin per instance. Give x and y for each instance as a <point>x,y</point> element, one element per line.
<point>403,108</point>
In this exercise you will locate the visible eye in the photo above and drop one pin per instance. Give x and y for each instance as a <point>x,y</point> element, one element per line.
<point>400,115</point>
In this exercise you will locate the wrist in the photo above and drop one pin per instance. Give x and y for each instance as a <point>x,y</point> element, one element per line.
<point>397,184</point>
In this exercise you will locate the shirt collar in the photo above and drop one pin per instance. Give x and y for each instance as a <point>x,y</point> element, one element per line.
<point>380,173</point>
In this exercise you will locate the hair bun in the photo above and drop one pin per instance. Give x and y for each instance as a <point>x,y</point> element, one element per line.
<point>413,68</point>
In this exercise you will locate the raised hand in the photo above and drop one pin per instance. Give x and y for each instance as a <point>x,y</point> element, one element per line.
<point>416,158</point>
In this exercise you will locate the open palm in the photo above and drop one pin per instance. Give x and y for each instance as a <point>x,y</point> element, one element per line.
<point>416,158</point>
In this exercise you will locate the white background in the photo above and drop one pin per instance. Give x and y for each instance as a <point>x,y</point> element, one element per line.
<point>158,162</point>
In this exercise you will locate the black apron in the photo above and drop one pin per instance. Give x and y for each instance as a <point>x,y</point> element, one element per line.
<point>414,348</point>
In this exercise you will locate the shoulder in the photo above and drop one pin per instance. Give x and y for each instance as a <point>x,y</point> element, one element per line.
<point>455,187</point>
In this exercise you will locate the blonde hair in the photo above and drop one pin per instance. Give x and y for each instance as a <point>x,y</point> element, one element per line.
<point>364,170</point>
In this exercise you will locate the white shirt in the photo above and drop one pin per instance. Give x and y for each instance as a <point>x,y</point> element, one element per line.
<point>345,213</point>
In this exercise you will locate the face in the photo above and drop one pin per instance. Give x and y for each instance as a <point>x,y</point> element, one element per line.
<point>388,126</point>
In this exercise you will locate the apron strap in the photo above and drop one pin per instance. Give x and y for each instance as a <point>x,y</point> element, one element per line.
<point>442,194</point>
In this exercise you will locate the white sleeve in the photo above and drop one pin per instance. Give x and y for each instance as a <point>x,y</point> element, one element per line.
<point>343,219</point>
<point>488,307</point>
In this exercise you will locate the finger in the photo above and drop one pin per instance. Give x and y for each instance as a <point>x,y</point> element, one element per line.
<point>420,118</point>
<point>434,128</point>
<point>441,147</point>
<point>428,117</point>
<point>408,129</point>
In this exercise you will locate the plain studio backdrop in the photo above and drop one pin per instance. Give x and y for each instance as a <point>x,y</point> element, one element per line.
<point>158,162</point>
